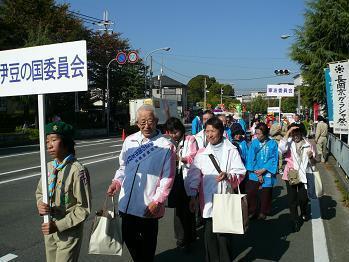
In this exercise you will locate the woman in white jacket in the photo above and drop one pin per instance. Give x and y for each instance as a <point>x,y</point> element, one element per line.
<point>300,155</point>
<point>204,180</point>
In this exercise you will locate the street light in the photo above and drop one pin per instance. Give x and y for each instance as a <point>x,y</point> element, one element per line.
<point>286,36</point>
<point>151,64</point>
<point>108,95</point>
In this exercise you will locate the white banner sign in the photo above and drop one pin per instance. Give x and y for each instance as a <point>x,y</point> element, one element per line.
<point>280,90</point>
<point>273,109</point>
<point>340,84</point>
<point>44,69</point>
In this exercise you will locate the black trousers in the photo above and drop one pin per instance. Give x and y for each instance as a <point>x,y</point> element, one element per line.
<point>140,236</point>
<point>218,247</point>
<point>184,222</point>
<point>297,195</point>
<point>252,188</point>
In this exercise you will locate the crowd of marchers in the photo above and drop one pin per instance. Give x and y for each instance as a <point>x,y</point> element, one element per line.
<point>178,170</point>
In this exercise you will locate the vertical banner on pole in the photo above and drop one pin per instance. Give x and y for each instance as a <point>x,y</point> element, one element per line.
<point>329,96</point>
<point>339,72</point>
<point>42,114</point>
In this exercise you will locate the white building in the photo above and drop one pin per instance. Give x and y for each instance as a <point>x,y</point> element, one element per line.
<point>172,90</point>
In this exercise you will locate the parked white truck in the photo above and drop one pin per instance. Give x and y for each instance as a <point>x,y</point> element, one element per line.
<point>159,105</point>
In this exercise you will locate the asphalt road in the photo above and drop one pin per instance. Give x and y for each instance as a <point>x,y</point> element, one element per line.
<point>20,235</point>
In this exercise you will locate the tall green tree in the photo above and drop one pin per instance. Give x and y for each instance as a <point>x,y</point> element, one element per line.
<point>323,38</point>
<point>196,90</point>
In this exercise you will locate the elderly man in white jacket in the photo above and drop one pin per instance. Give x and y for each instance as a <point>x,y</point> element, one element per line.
<point>204,180</point>
<point>144,179</point>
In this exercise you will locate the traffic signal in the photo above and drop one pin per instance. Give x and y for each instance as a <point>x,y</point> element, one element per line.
<point>282,72</point>
<point>222,91</point>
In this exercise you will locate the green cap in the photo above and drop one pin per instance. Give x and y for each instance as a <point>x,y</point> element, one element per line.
<point>59,128</point>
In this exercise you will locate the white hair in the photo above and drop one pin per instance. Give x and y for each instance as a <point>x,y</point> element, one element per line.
<point>146,108</point>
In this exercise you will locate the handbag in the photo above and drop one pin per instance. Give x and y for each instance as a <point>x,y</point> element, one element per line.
<point>230,211</point>
<point>293,177</point>
<point>314,185</point>
<point>106,234</point>
<point>293,174</point>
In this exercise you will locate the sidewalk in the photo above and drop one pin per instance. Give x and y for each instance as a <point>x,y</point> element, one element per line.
<point>335,216</point>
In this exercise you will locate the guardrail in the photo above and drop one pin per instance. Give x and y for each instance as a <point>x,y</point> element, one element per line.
<point>340,151</point>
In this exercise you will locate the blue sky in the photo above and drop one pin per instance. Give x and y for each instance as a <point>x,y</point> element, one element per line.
<point>231,40</point>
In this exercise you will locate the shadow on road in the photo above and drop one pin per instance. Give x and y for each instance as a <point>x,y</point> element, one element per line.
<point>196,252</point>
<point>328,207</point>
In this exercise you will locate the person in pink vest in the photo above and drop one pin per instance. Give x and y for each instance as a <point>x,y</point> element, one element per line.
<point>184,219</point>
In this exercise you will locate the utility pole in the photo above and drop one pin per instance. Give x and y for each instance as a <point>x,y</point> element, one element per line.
<point>105,23</point>
<point>221,96</point>
<point>205,86</point>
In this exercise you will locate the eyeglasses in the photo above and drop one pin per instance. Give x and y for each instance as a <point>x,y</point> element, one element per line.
<point>144,122</point>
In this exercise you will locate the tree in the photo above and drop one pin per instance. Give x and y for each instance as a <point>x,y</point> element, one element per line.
<point>322,39</point>
<point>196,90</point>
<point>46,23</point>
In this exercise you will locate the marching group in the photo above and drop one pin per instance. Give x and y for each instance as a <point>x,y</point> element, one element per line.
<point>182,171</point>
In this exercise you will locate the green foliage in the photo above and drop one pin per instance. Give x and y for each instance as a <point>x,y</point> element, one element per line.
<point>25,23</point>
<point>322,39</point>
<point>196,91</point>
<point>30,133</point>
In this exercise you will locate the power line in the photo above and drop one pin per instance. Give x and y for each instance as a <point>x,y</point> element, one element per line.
<point>226,58</point>
<point>222,79</point>
<point>86,16</point>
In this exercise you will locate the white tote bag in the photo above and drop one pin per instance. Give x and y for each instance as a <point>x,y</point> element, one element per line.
<point>314,185</point>
<point>106,233</point>
<point>230,213</point>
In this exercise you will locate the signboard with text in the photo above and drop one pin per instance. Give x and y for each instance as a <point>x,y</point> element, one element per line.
<point>55,68</point>
<point>273,109</point>
<point>280,90</point>
<point>339,73</point>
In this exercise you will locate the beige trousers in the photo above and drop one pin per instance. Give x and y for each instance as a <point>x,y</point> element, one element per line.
<point>321,148</point>
<point>63,246</point>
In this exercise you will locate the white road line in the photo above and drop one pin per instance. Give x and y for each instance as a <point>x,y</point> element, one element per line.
<point>33,167</point>
<point>319,237</point>
<point>38,174</point>
<point>77,146</point>
<point>92,141</point>
<point>95,144</point>
<point>22,154</point>
<point>10,147</point>
<point>18,170</point>
<point>116,145</point>
<point>7,257</point>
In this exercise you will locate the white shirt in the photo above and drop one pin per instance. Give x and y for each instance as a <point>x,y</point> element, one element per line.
<point>202,174</point>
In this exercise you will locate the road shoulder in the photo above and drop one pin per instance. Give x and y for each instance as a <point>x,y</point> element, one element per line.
<point>334,214</point>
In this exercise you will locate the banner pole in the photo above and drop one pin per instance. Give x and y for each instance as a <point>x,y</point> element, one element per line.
<point>42,114</point>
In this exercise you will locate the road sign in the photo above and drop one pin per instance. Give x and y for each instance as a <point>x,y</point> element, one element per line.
<point>121,58</point>
<point>55,68</point>
<point>132,57</point>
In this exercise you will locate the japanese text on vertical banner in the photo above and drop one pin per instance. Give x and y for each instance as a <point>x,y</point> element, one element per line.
<point>340,76</point>
<point>53,68</point>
